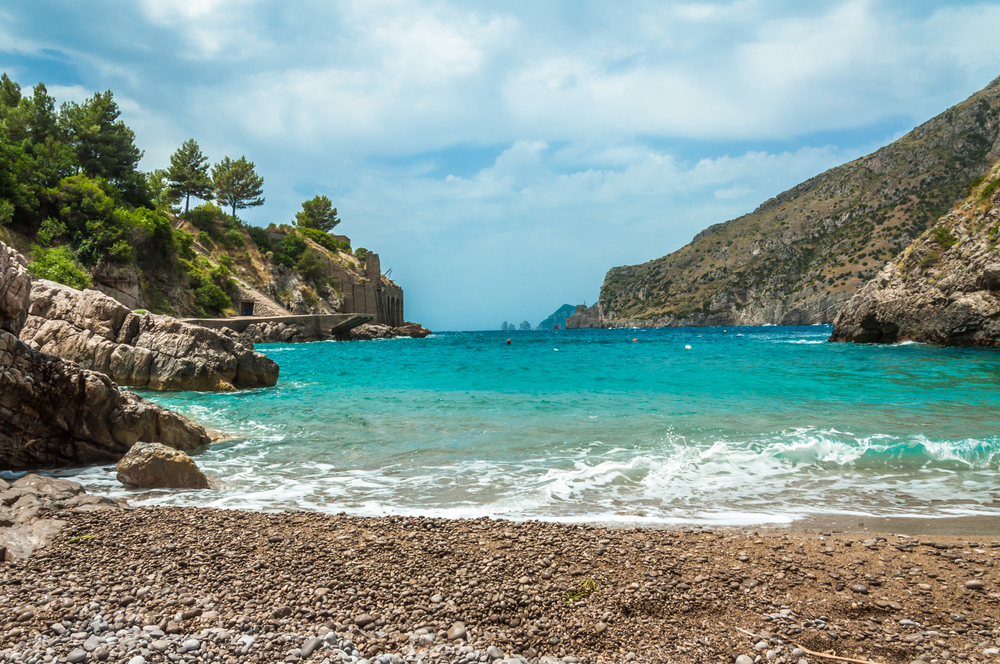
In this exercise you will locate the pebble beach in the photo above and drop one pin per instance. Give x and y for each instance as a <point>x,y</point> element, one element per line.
<point>170,584</point>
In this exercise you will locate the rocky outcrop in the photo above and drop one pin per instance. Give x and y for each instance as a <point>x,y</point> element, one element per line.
<point>558,318</point>
<point>139,349</point>
<point>369,331</point>
<point>270,332</point>
<point>29,505</point>
<point>119,282</point>
<point>54,412</point>
<point>944,289</point>
<point>155,466</point>
<point>801,255</point>
<point>15,289</point>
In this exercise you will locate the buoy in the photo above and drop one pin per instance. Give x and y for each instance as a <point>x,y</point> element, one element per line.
<point>508,342</point>
<point>633,341</point>
<point>687,347</point>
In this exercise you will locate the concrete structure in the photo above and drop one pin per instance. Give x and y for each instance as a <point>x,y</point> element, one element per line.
<point>371,295</point>
<point>315,325</point>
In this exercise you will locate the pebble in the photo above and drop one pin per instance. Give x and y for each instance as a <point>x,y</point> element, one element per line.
<point>494,653</point>
<point>974,585</point>
<point>744,659</point>
<point>76,655</point>
<point>310,646</point>
<point>457,631</point>
<point>138,659</point>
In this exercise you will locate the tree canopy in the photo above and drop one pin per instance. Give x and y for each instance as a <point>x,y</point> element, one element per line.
<point>237,185</point>
<point>318,212</point>
<point>188,174</point>
<point>103,144</point>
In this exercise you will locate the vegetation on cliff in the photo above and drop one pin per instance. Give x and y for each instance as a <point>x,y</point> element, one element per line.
<point>944,288</point>
<point>799,256</point>
<point>74,201</point>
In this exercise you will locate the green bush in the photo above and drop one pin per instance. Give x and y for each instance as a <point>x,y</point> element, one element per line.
<point>930,259</point>
<point>50,231</point>
<point>234,239</point>
<point>324,240</point>
<point>204,217</point>
<point>361,254</point>
<point>311,266</point>
<point>990,189</point>
<point>204,240</point>
<point>259,237</point>
<point>6,212</point>
<point>60,265</point>
<point>293,245</point>
<point>944,237</point>
<point>211,296</point>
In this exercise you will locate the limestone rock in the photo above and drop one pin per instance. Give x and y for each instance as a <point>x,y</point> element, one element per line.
<point>155,466</point>
<point>54,412</point>
<point>943,289</point>
<point>15,289</point>
<point>141,350</point>
<point>370,331</point>
<point>415,330</point>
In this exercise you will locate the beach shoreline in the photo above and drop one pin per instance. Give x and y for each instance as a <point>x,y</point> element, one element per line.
<point>395,588</point>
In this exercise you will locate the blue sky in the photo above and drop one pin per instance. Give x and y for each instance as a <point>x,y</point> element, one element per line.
<point>501,157</point>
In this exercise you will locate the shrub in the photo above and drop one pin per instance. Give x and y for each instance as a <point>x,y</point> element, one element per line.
<point>204,240</point>
<point>944,238</point>
<point>361,253</point>
<point>6,212</point>
<point>930,259</point>
<point>204,217</point>
<point>211,296</point>
<point>60,265</point>
<point>311,266</point>
<point>50,231</point>
<point>293,245</point>
<point>990,189</point>
<point>234,239</point>
<point>259,237</point>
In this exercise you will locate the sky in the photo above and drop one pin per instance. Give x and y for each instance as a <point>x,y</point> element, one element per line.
<point>501,157</point>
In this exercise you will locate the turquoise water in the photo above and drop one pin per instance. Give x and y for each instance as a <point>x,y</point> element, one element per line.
<point>749,425</point>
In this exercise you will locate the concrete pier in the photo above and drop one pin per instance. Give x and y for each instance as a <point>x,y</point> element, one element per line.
<point>315,325</point>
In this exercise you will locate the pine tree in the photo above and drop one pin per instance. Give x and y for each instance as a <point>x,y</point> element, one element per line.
<point>104,145</point>
<point>237,185</point>
<point>318,212</point>
<point>188,174</point>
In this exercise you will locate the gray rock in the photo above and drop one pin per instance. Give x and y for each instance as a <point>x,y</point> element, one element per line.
<point>191,644</point>
<point>156,466</point>
<point>974,585</point>
<point>138,659</point>
<point>494,653</point>
<point>363,620</point>
<point>457,632</point>
<point>141,350</point>
<point>76,655</point>
<point>310,646</point>
<point>744,659</point>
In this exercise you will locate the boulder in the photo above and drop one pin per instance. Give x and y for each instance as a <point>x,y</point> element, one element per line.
<point>15,289</point>
<point>417,331</point>
<point>54,412</point>
<point>26,506</point>
<point>155,466</point>
<point>139,349</point>
<point>369,331</point>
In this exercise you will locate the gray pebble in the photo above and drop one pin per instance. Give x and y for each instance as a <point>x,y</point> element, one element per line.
<point>191,644</point>
<point>310,646</point>
<point>138,659</point>
<point>974,585</point>
<point>744,659</point>
<point>494,653</point>
<point>76,655</point>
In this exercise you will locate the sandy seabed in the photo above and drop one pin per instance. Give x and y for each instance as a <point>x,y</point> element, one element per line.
<point>162,584</point>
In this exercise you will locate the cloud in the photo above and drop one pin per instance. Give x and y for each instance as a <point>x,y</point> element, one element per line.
<point>501,157</point>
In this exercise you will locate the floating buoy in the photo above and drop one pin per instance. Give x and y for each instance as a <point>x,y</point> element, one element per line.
<point>508,342</point>
<point>634,340</point>
<point>687,347</point>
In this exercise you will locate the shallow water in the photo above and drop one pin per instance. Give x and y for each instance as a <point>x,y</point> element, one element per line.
<point>749,425</point>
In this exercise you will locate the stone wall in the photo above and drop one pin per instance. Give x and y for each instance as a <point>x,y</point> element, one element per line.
<point>370,295</point>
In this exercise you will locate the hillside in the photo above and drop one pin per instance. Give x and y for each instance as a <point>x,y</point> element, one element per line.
<point>944,288</point>
<point>73,201</point>
<point>799,256</point>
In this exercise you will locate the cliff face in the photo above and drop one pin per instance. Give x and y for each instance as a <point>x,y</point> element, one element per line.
<point>801,255</point>
<point>944,289</point>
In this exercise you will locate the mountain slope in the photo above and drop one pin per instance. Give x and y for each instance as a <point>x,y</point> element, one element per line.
<point>799,256</point>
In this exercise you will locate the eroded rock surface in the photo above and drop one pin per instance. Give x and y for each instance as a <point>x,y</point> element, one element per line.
<point>141,350</point>
<point>27,508</point>
<point>54,412</point>
<point>156,466</point>
<point>944,289</point>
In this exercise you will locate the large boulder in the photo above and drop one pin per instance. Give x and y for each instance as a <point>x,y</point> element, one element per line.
<point>54,412</point>
<point>155,466</point>
<point>139,349</point>
<point>418,331</point>
<point>15,290</point>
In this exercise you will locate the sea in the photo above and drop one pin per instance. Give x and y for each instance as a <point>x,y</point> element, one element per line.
<point>699,426</point>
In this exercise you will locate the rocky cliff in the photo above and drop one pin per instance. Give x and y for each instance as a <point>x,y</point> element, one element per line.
<point>944,289</point>
<point>801,255</point>
<point>54,412</point>
<point>139,349</point>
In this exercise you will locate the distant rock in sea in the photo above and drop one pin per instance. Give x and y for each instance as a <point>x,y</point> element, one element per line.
<point>558,317</point>
<point>525,325</point>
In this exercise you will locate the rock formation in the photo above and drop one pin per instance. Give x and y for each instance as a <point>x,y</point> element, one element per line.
<point>370,331</point>
<point>140,350</point>
<point>156,466</point>
<point>801,255</point>
<point>944,289</point>
<point>558,317</point>
<point>54,412</point>
<point>525,325</point>
<point>28,505</point>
